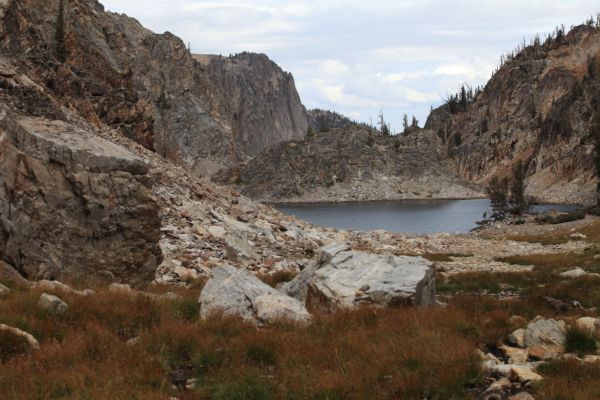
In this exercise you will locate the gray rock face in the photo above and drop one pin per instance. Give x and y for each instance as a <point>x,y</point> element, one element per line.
<point>237,293</point>
<point>52,304</point>
<point>352,164</point>
<point>341,278</point>
<point>73,205</point>
<point>260,100</point>
<point>201,111</point>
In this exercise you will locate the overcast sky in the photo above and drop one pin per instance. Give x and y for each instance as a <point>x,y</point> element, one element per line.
<point>360,57</point>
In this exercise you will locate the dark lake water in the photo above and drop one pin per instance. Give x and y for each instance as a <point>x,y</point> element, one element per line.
<point>410,216</point>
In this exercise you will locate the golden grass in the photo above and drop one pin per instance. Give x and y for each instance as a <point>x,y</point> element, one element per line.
<point>404,353</point>
<point>592,231</point>
<point>387,354</point>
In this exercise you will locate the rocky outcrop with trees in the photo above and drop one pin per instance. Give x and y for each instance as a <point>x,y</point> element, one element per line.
<point>536,109</point>
<point>355,163</point>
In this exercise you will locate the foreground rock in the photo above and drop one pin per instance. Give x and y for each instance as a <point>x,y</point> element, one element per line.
<point>9,274</point>
<point>52,304</point>
<point>59,286</point>
<point>237,293</point>
<point>32,343</point>
<point>74,206</point>
<point>342,278</point>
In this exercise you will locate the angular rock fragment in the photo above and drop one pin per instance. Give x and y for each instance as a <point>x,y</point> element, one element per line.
<point>237,293</point>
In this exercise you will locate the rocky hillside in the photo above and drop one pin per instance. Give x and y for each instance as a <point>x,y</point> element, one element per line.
<point>88,204</point>
<point>200,114</point>
<point>353,164</point>
<point>536,108</point>
<point>318,119</point>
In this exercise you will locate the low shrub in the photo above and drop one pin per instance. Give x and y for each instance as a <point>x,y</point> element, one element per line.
<point>580,342</point>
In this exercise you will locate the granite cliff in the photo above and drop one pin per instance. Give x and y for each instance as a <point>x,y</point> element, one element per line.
<point>202,114</point>
<point>536,108</point>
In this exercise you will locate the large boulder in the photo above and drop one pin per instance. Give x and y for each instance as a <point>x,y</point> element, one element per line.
<point>52,304</point>
<point>74,206</point>
<point>544,337</point>
<point>10,275</point>
<point>546,333</point>
<point>342,278</point>
<point>238,293</point>
<point>29,340</point>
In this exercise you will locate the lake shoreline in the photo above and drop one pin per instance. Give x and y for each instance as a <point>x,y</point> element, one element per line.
<point>415,216</point>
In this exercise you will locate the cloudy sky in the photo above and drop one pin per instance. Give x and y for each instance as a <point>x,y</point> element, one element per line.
<point>360,57</point>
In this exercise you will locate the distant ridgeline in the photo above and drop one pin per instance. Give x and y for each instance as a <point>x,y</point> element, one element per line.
<point>324,120</point>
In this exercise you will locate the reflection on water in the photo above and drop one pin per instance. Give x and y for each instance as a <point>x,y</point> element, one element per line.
<point>411,216</point>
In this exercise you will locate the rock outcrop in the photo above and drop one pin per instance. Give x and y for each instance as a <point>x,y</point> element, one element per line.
<point>537,108</point>
<point>237,293</point>
<point>202,114</point>
<point>355,163</point>
<point>324,119</point>
<point>73,205</point>
<point>342,278</point>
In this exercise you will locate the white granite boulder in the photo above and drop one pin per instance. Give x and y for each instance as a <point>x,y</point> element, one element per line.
<point>342,278</point>
<point>238,293</point>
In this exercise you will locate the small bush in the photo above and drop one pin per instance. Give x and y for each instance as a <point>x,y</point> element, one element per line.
<point>207,360</point>
<point>246,388</point>
<point>188,310</point>
<point>580,342</point>
<point>261,353</point>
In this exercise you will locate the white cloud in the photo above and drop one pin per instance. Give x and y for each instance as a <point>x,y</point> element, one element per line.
<point>359,57</point>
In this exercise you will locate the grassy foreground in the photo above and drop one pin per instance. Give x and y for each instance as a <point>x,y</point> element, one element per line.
<point>366,354</point>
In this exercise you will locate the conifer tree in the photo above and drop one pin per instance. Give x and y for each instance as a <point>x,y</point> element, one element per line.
<point>59,35</point>
<point>463,98</point>
<point>405,123</point>
<point>415,122</point>
<point>383,126</point>
<point>517,189</point>
<point>323,124</point>
<point>497,192</point>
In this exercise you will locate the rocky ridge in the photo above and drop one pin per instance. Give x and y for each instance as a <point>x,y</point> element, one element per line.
<point>537,108</point>
<point>330,120</point>
<point>352,164</point>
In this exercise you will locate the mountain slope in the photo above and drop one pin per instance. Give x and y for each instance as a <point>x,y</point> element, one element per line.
<point>353,164</point>
<point>537,108</point>
<point>150,87</point>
